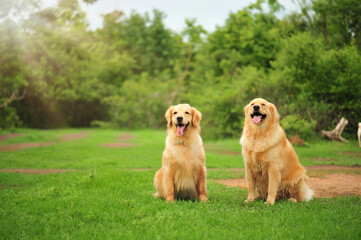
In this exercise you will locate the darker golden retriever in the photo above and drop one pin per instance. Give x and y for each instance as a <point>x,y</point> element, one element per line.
<point>272,167</point>
<point>183,172</point>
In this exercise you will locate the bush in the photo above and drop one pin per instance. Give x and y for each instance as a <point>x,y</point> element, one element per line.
<point>295,125</point>
<point>140,103</point>
<point>9,118</point>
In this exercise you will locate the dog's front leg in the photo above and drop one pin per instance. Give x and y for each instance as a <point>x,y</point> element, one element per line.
<point>169,186</point>
<point>274,179</point>
<point>202,185</point>
<point>250,183</point>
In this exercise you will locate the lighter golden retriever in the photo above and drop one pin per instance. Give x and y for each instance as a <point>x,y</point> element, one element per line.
<point>272,167</point>
<point>183,172</point>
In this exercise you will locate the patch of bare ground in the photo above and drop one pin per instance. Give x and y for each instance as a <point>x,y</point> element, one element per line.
<point>125,136</point>
<point>73,136</point>
<point>336,184</point>
<point>319,159</point>
<point>342,181</point>
<point>320,170</point>
<point>19,146</point>
<point>138,169</point>
<point>236,182</point>
<point>119,145</point>
<point>122,142</point>
<point>11,135</point>
<point>37,171</point>
<point>353,154</point>
<point>330,168</point>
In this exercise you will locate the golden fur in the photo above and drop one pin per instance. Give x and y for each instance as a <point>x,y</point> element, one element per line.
<point>272,167</point>
<point>183,172</point>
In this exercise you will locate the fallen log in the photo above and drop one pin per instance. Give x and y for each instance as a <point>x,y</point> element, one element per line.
<point>335,134</point>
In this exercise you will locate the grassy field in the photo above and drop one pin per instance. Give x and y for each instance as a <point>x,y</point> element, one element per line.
<point>110,197</point>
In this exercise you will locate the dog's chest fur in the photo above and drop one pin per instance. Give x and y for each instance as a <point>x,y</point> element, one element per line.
<point>186,167</point>
<point>186,153</point>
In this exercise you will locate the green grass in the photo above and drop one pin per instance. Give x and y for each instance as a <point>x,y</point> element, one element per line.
<point>105,200</point>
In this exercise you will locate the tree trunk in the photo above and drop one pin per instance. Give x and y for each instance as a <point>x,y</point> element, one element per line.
<point>335,134</point>
<point>12,98</point>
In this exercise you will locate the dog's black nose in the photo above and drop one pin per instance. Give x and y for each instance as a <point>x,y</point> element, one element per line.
<point>256,107</point>
<point>179,119</point>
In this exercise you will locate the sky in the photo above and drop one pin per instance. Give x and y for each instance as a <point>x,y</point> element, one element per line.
<point>209,13</point>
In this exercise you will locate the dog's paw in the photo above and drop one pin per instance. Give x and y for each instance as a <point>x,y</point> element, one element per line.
<point>203,198</point>
<point>248,200</point>
<point>292,200</point>
<point>170,199</point>
<point>269,202</point>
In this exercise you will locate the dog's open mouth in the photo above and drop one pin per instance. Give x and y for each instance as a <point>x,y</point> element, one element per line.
<point>181,128</point>
<point>258,117</point>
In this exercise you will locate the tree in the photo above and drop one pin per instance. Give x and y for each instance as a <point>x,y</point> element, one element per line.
<point>13,74</point>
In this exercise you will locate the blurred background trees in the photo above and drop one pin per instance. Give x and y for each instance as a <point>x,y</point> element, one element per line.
<point>54,72</point>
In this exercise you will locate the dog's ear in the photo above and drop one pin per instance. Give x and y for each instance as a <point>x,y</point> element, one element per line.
<point>168,116</point>
<point>246,109</point>
<point>274,112</point>
<point>196,116</point>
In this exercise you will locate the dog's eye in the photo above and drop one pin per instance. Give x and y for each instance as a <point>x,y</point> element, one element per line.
<point>175,113</point>
<point>187,112</point>
<point>252,104</point>
<point>263,104</point>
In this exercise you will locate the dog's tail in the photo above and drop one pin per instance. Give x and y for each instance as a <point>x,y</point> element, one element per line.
<point>306,192</point>
<point>309,193</point>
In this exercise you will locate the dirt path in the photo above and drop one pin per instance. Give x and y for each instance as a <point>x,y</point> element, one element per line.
<point>73,136</point>
<point>118,145</point>
<point>11,135</point>
<point>331,180</point>
<point>37,171</point>
<point>353,154</point>
<point>122,142</point>
<point>125,136</point>
<point>20,146</point>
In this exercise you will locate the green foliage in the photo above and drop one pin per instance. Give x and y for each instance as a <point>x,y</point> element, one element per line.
<point>133,68</point>
<point>338,21</point>
<point>152,46</point>
<point>222,103</point>
<point>9,118</point>
<point>13,73</point>
<point>295,125</point>
<point>140,103</point>
<point>321,84</point>
<point>246,39</point>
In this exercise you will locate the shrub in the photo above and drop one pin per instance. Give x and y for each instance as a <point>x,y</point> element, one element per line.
<point>295,125</point>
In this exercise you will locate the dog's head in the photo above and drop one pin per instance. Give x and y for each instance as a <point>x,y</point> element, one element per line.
<point>260,112</point>
<point>181,117</point>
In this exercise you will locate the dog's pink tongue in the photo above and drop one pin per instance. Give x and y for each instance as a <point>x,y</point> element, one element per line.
<point>180,130</point>
<point>256,119</point>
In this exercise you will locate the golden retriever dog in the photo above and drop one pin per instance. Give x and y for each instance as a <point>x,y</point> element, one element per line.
<point>183,174</point>
<point>271,164</point>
